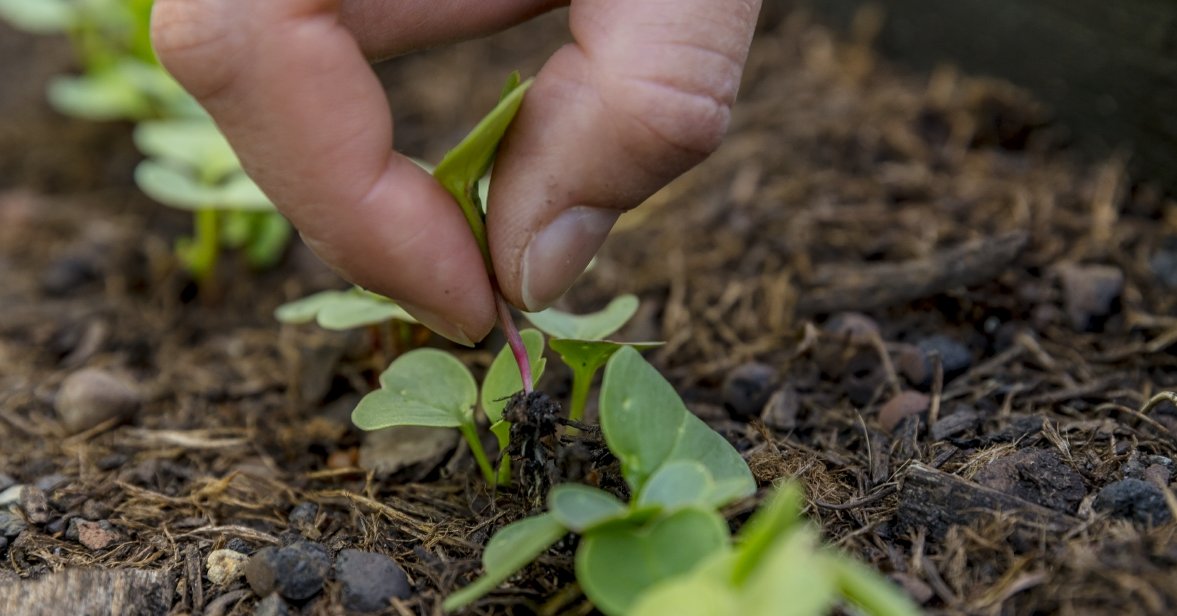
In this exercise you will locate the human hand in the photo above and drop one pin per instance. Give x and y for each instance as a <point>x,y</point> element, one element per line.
<point>643,94</point>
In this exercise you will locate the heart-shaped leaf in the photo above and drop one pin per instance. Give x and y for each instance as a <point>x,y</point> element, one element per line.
<point>424,387</point>
<point>647,425</point>
<point>342,310</point>
<point>39,16</point>
<point>99,97</point>
<point>502,378</point>
<point>178,188</point>
<point>618,562</point>
<point>595,326</point>
<point>701,592</point>
<point>193,142</point>
<point>581,508</point>
<point>508,551</point>
<point>678,484</point>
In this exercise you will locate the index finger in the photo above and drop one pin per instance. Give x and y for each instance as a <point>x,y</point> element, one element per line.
<point>292,91</point>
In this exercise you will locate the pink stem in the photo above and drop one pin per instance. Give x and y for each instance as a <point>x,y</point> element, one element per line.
<point>514,340</point>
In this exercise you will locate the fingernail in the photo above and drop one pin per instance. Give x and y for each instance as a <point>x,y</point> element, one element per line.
<point>560,252</point>
<point>438,324</point>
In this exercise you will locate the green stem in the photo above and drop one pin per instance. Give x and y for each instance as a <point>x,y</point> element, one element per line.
<point>207,244</point>
<point>582,381</point>
<point>471,435</point>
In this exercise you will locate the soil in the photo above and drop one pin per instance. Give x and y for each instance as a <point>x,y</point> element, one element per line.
<point>864,235</point>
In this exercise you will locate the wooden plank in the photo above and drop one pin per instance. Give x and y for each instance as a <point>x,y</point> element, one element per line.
<point>1108,69</point>
<point>93,592</point>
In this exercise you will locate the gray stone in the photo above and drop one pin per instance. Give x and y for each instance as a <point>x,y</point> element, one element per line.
<point>272,605</point>
<point>369,581</point>
<point>11,524</point>
<point>747,388</point>
<point>297,571</point>
<point>35,505</point>
<point>390,450</point>
<point>1133,499</point>
<point>90,397</point>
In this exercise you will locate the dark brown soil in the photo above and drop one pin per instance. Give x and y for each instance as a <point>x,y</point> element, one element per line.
<point>863,234</point>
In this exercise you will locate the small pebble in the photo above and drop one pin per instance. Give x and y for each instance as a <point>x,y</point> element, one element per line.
<point>91,396</point>
<point>67,275</point>
<point>49,483</point>
<point>1090,293</point>
<point>854,328</point>
<point>6,481</point>
<point>747,388</point>
<point>35,505</point>
<point>273,605</point>
<point>297,571</point>
<point>370,581</point>
<point>57,526</point>
<point>1164,263</point>
<point>95,535</point>
<point>302,519</point>
<point>1134,499</point>
<point>11,524</point>
<point>390,450</point>
<point>780,412</point>
<point>916,361</point>
<point>225,566</point>
<point>905,404</point>
<point>237,544</point>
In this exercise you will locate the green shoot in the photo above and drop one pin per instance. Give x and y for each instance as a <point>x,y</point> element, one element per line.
<point>502,381</point>
<point>460,172</point>
<point>580,342</point>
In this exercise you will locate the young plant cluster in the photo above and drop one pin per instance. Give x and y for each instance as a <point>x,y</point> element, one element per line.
<point>666,550</point>
<point>189,165</point>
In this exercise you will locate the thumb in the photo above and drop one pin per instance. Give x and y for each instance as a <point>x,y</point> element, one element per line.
<point>644,94</point>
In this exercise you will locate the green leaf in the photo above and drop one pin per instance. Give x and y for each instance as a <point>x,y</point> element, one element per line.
<point>791,580</point>
<point>305,310</point>
<point>179,189</point>
<point>467,162</point>
<point>99,97</point>
<point>700,592</point>
<point>678,484</point>
<point>502,378</point>
<point>39,16</point>
<point>867,589</point>
<point>647,425</point>
<point>595,326</point>
<point>617,563</point>
<point>424,387</point>
<point>508,551</point>
<point>775,517</point>
<point>581,508</point>
<point>271,236</point>
<point>195,143</point>
<point>590,355</point>
<point>358,308</point>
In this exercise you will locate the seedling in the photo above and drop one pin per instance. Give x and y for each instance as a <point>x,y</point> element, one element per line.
<point>429,387</point>
<point>121,79</point>
<point>679,472</point>
<point>580,342</point>
<point>192,167</point>
<point>460,172</point>
<point>668,551</point>
<point>776,561</point>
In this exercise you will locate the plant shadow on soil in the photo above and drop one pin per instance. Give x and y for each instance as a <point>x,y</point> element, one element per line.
<point>902,291</point>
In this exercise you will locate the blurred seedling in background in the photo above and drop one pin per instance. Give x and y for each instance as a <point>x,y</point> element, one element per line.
<point>191,167</point>
<point>430,387</point>
<point>580,342</point>
<point>121,79</point>
<point>392,328</point>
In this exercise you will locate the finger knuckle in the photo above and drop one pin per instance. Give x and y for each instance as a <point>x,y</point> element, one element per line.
<point>194,40</point>
<point>686,117</point>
